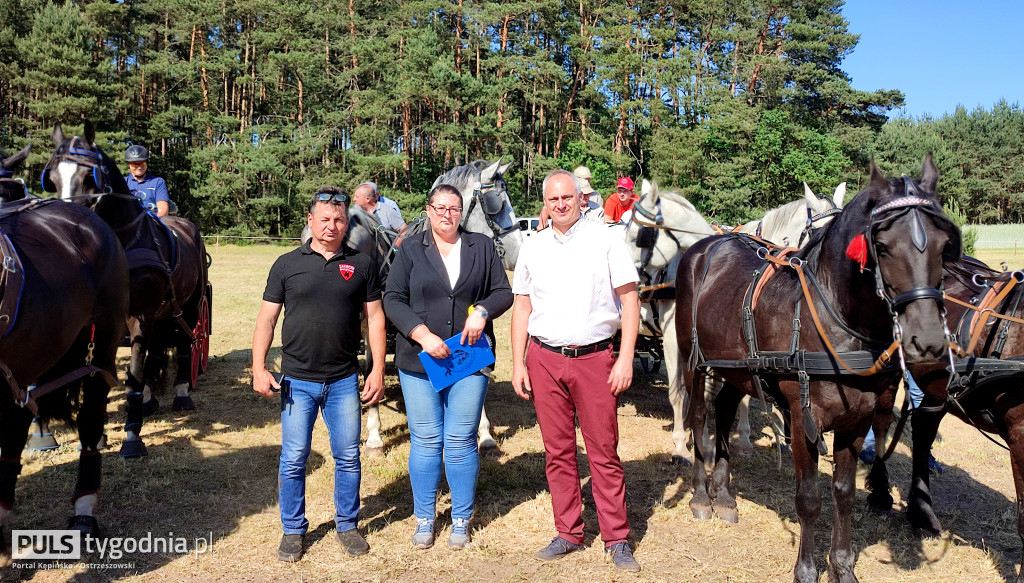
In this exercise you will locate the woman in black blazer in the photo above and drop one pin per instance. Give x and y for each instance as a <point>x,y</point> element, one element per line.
<point>444,282</point>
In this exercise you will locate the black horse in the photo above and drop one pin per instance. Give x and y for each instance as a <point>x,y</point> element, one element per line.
<point>888,296</point>
<point>169,289</point>
<point>992,402</point>
<point>63,303</point>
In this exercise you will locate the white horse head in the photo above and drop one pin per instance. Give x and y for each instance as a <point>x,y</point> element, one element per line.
<point>790,224</point>
<point>488,208</point>
<point>663,225</point>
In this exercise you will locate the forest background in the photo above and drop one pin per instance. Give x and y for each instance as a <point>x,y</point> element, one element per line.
<point>247,106</point>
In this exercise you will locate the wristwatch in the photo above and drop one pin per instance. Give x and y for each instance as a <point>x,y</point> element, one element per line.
<point>478,309</point>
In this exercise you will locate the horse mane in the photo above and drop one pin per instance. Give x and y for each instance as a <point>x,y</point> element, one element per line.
<point>677,198</point>
<point>779,217</point>
<point>461,176</point>
<point>114,177</point>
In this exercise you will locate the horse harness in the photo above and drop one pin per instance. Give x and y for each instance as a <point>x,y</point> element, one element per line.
<point>88,157</point>
<point>8,176</point>
<point>805,364</point>
<point>491,204</point>
<point>661,285</point>
<point>12,284</point>
<point>969,373</point>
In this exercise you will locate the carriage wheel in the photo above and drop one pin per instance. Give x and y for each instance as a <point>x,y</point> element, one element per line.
<point>206,320</point>
<point>201,345</point>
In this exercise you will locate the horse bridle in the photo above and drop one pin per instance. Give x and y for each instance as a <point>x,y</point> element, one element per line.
<point>813,218</point>
<point>88,157</point>
<point>914,205</point>
<point>491,204</point>
<point>8,176</point>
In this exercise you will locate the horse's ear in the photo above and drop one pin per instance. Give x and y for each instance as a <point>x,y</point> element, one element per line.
<point>10,162</point>
<point>839,197</point>
<point>487,174</point>
<point>929,174</point>
<point>877,184</point>
<point>58,135</point>
<point>90,132</point>
<point>809,195</point>
<point>504,168</point>
<point>646,189</point>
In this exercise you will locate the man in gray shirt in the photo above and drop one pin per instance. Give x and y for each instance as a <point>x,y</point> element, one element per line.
<point>366,195</point>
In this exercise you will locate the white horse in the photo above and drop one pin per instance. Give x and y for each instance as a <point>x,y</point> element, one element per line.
<point>664,225</point>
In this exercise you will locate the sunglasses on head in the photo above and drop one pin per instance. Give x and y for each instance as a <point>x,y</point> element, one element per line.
<point>331,198</point>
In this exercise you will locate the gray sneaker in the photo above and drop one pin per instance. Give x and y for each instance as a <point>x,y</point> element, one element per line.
<point>353,542</point>
<point>423,538</point>
<point>622,556</point>
<point>558,548</point>
<point>459,537</point>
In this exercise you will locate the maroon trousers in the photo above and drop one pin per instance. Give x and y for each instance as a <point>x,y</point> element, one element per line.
<point>562,387</point>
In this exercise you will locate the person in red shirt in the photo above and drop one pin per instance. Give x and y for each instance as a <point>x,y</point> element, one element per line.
<point>623,200</point>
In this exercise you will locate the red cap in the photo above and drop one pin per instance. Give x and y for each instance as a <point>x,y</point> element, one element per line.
<point>625,182</point>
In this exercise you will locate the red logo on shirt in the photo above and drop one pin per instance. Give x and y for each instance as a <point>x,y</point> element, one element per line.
<point>346,270</point>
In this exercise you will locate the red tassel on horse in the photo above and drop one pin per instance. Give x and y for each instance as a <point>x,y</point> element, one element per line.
<point>858,250</point>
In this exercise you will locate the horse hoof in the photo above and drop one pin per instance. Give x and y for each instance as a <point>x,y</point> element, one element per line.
<point>701,512</point>
<point>150,407</point>
<point>183,404</point>
<point>880,504</point>
<point>374,452</point>
<point>491,451</point>
<point>100,445</point>
<point>730,515</point>
<point>924,532</point>
<point>87,525</point>
<point>133,448</point>
<point>681,461</point>
<point>41,442</point>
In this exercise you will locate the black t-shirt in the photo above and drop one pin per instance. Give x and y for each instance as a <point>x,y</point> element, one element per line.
<point>323,299</point>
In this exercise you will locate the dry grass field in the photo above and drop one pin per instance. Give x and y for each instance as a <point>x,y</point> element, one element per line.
<point>212,472</point>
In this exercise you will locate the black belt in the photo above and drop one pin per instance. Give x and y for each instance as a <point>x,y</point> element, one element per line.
<point>576,351</point>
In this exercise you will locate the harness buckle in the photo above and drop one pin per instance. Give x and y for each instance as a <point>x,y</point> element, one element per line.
<point>28,395</point>
<point>10,264</point>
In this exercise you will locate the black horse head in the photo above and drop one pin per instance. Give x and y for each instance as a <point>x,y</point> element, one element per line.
<point>10,187</point>
<point>896,233</point>
<point>79,170</point>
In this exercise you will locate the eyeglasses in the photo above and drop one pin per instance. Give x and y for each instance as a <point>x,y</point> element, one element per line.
<point>331,198</point>
<point>136,164</point>
<point>450,210</point>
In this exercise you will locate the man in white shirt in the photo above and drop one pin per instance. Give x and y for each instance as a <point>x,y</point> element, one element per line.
<point>565,314</point>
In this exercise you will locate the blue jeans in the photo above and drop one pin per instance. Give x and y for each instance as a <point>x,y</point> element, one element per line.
<point>916,395</point>
<point>443,425</point>
<point>300,401</point>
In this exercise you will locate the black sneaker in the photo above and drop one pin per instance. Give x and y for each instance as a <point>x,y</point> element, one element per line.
<point>558,548</point>
<point>353,542</point>
<point>622,556</point>
<point>290,550</point>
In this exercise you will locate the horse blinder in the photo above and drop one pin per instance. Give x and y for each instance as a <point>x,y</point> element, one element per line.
<point>645,237</point>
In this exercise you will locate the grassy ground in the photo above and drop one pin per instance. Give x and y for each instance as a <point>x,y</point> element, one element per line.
<point>212,473</point>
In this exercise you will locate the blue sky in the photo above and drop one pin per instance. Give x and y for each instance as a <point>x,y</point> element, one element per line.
<point>939,53</point>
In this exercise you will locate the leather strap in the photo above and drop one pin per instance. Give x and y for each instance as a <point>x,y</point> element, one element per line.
<point>576,351</point>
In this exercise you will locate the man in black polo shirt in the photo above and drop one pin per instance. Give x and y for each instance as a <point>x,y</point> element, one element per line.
<point>323,286</point>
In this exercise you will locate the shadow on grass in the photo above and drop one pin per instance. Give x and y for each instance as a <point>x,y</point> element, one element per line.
<point>970,511</point>
<point>178,491</point>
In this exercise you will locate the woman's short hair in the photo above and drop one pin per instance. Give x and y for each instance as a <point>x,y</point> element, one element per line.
<point>444,189</point>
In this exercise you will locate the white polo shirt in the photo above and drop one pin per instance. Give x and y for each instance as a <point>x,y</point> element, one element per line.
<point>571,282</point>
